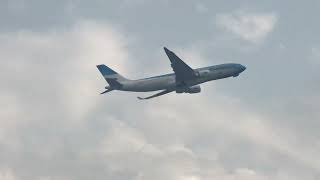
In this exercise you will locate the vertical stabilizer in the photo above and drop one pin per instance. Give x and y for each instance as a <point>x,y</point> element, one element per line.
<point>113,78</point>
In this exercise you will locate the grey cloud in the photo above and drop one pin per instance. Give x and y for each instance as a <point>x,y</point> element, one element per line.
<point>54,125</point>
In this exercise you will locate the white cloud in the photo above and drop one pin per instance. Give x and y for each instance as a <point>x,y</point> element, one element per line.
<point>253,27</point>
<point>50,83</point>
<point>189,178</point>
<point>53,117</point>
<point>121,139</point>
<point>7,174</point>
<point>63,60</point>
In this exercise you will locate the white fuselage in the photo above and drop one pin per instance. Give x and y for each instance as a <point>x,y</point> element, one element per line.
<point>168,81</point>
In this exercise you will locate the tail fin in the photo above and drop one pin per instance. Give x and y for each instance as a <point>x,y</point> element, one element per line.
<point>113,78</point>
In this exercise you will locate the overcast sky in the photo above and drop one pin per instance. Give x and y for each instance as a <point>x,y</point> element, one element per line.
<point>262,125</point>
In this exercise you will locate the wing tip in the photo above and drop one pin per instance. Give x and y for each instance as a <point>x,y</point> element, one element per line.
<point>166,50</point>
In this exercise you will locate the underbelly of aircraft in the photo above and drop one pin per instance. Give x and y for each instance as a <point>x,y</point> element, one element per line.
<point>150,85</point>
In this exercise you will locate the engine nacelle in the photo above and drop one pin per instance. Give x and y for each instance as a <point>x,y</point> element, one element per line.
<point>190,90</point>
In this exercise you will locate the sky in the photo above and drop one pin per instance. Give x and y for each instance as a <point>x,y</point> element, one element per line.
<point>262,125</point>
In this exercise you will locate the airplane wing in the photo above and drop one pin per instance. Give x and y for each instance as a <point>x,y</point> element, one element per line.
<point>156,95</point>
<point>182,70</point>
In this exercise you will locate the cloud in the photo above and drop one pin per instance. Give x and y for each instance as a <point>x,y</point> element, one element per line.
<point>200,8</point>
<point>252,27</point>
<point>7,174</point>
<point>315,55</point>
<point>16,6</point>
<point>47,59</point>
<point>55,125</point>
<point>50,87</point>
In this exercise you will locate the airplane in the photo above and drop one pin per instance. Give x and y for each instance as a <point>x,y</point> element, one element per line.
<point>184,79</point>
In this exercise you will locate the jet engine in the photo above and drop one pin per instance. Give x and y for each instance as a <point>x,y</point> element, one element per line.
<point>190,90</point>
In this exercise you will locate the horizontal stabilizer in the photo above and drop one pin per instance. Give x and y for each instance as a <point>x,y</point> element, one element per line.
<point>106,91</point>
